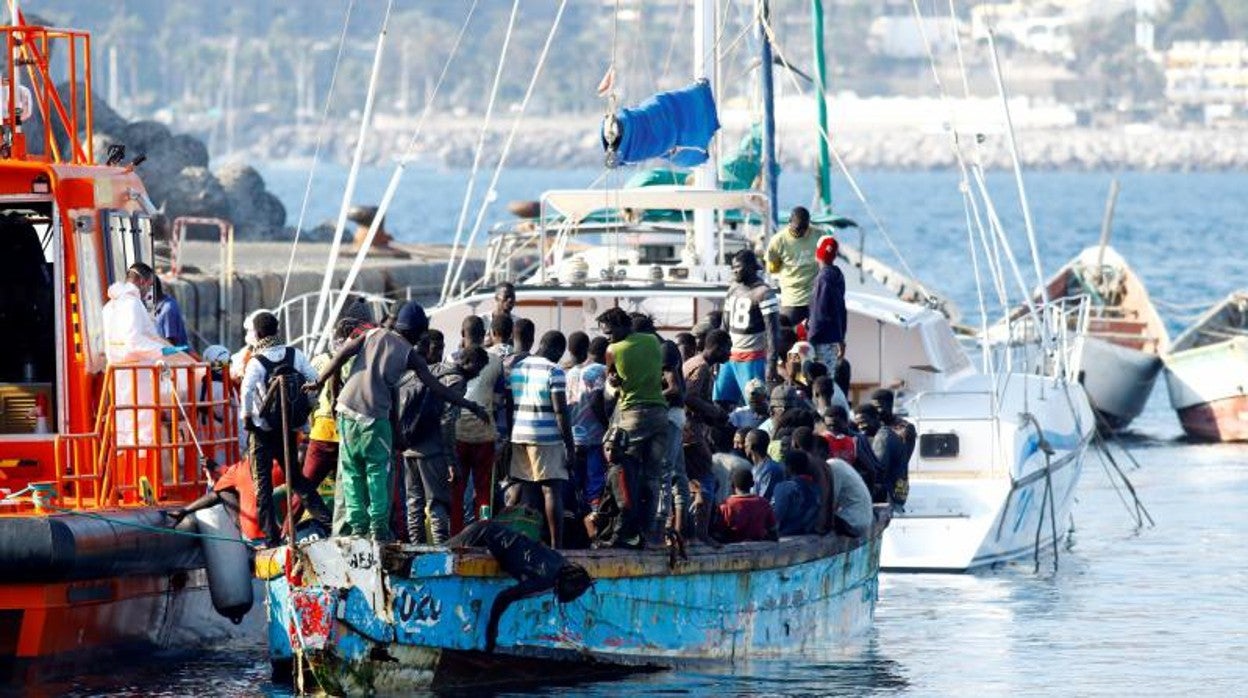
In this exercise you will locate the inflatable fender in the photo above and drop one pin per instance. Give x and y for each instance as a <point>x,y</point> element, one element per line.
<point>227,562</point>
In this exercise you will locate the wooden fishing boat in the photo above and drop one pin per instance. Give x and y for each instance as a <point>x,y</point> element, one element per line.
<point>1207,372</point>
<point>364,618</point>
<point>1116,351</point>
<point>89,564</point>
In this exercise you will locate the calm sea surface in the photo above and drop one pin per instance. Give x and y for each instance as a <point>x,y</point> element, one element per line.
<point>1159,611</point>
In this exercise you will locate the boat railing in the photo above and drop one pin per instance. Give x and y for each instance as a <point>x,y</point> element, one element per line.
<point>296,315</point>
<point>1061,321</point>
<point>29,90</point>
<point>155,427</point>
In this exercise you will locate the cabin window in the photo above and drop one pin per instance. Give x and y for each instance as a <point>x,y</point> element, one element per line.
<point>939,445</point>
<point>129,240</point>
<point>28,355</point>
<point>90,293</point>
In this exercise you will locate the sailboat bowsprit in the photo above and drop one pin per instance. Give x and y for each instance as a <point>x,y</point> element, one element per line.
<point>371,618</point>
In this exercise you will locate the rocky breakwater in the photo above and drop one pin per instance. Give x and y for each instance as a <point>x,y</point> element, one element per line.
<point>572,141</point>
<point>178,177</point>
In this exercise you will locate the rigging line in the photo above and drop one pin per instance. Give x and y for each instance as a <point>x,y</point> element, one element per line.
<point>316,152</point>
<point>968,199</point>
<point>391,188</point>
<point>1018,167</point>
<point>322,300</point>
<point>511,136</point>
<point>849,177</point>
<point>480,149</point>
<point>671,43</point>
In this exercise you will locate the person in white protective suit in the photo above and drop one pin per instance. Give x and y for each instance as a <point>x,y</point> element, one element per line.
<point>131,340</point>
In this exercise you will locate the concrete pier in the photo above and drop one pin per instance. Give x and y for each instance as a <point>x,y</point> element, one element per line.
<point>259,271</point>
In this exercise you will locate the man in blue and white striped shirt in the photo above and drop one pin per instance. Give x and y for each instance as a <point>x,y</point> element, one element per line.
<point>541,434</point>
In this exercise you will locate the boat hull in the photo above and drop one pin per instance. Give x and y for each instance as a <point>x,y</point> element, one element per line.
<point>1006,488</point>
<point>1208,388</point>
<point>78,589</point>
<point>57,628</point>
<point>758,601</point>
<point>1118,379</point>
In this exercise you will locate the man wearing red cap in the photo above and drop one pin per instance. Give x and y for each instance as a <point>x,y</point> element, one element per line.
<point>828,317</point>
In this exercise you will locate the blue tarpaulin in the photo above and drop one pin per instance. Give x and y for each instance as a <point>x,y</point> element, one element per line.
<point>675,125</point>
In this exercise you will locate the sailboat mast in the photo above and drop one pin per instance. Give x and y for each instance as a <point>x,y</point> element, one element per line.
<point>706,175</point>
<point>824,181</point>
<point>770,169</point>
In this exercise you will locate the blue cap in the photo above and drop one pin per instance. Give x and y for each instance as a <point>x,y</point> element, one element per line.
<point>412,319</point>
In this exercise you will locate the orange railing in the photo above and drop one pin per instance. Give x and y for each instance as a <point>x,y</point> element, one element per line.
<point>153,425</point>
<point>29,78</point>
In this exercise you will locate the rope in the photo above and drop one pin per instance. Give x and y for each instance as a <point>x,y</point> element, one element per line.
<point>840,162</point>
<point>511,136</point>
<point>353,175</point>
<point>476,156</point>
<point>316,153</point>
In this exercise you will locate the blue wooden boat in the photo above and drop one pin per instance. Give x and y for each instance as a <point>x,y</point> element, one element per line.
<point>359,617</point>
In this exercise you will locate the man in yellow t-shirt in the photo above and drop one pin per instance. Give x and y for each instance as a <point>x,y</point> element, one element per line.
<point>791,259</point>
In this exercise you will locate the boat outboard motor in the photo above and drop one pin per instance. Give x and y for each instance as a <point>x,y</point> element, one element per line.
<point>227,562</point>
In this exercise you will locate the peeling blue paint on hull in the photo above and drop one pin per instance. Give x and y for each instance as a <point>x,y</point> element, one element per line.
<point>801,596</point>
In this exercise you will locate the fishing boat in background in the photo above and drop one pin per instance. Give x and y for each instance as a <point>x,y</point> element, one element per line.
<point>1117,354</point>
<point>92,453</point>
<point>1207,372</point>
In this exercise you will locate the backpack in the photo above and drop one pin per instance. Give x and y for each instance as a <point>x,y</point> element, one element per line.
<point>298,406</point>
<point>420,411</point>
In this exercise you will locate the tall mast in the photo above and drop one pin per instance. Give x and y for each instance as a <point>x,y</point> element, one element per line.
<point>769,115</point>
<point>706,175</point>
<point>824,174</point>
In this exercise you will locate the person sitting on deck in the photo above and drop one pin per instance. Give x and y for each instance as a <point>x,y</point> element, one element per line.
<point>766,472</point>
<point>754,411</point>
<point>796,500</point>
<point>746,516</point>
<point>614,520</point>
<point>852,513</point>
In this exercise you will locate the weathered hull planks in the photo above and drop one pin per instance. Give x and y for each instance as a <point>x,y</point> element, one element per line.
<point>800,596</point>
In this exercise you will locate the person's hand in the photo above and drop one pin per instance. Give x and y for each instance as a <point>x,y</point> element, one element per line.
<point>312,387</point>
<point>249,425</point>
<point>480,413</point>
<point>176,514</point>
<point>840,350</point>
<point>773,374</point>
<point>450,475</point>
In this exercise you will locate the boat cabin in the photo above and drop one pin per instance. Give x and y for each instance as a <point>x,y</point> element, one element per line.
<point>69,228</point>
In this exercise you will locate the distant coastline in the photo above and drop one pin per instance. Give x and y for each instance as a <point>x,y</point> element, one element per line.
<point>572,142</point>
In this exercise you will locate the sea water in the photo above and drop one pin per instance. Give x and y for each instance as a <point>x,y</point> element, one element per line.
<point>1158,610</point>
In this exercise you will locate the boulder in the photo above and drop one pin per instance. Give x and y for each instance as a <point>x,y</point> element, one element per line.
<point>196,192</point>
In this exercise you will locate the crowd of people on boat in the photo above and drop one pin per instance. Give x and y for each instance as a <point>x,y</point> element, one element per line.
<point>738,430</point>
